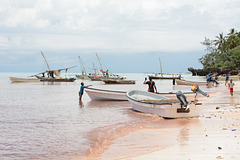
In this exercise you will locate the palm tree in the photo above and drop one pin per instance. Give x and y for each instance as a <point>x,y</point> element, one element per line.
<point>232,39</point>
<point>220,43</point>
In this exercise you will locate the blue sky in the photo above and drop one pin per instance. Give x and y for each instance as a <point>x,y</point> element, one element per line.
<point>128,35</point>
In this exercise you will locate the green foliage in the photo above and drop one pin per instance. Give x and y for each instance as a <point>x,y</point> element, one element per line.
<point>224,51</point>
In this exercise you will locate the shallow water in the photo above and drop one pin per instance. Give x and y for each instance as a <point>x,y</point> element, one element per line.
<point>45,120</point>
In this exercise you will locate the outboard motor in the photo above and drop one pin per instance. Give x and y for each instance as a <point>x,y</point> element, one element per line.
<point>195,88</point>
<point>182,98</point>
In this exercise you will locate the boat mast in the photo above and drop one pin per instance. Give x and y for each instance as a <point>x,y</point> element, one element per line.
<point>94,68</point>
<point>45,60</point>
<point>82,66</point>
<point>99,61</point>
<point>160,66</point>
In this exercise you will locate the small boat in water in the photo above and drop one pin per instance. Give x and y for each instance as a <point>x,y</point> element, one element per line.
<point>106,95</point>
<point>50,79</point>
<point>190,83</point>
<point>23,80</point>
<point>118,81</point>
<point>164,75</point>
<point>53,75</point>
<point>165,107</point>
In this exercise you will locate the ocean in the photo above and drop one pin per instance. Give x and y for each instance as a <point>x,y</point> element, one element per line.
<point>43,120</point>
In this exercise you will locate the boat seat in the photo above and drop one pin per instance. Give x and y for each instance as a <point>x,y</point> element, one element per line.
<point>160,100</point>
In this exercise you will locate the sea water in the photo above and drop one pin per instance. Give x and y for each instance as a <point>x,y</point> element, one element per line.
<point>43,120</point>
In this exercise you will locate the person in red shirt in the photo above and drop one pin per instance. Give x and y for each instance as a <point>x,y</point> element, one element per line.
<point>230,86</point>
<point>151,85</point>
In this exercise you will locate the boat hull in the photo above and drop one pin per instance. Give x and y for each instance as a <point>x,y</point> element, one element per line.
<point>23,80</point>
<point>43,79</point>
<point>118,81</point>
<point>162,77</point>
<point>106,95</point>
<point>190,83</point>
<point>165,110</point>
<point>102,78</point>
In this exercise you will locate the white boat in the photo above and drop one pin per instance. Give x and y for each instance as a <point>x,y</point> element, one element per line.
<point>23,80</point>
<point>164,75</point>
<point>165,107</point>
<point>106,95</point>
<point>112,95</point>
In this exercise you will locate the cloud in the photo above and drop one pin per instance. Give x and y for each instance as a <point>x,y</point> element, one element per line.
<point>113,26</point>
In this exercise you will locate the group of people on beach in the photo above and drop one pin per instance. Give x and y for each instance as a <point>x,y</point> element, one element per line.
<point>210,79</point>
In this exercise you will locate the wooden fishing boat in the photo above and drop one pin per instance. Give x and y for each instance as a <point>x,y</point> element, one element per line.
<point>165,107</point>
<point>50,79</point>
<point>164,75</point>
<point>107,95</point>
<point>23,80</point>
<point>53,75</point>
<point>101,78</point>
<point>190,83</point>
<point>118,81</point>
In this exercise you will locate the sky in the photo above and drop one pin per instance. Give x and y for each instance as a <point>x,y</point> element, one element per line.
<point>128,35</point>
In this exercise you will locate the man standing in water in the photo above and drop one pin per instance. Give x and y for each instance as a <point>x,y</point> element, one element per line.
<point>81,91</point>
<point>151,85</point>
<point>226,80</point>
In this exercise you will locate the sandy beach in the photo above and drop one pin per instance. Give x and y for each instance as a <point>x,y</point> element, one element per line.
<point>214,135</point>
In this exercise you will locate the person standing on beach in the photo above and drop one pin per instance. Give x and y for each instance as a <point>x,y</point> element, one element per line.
<point>230,86</point>
<point>81,91</point>
<point>226,80</point>
<point>173,82</point>
<point>151,85</point>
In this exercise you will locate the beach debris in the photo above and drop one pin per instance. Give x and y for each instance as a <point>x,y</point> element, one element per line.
<point>224,128</point>
<point>219,147</point>
<point>233,129</point>
<point>217,107</point>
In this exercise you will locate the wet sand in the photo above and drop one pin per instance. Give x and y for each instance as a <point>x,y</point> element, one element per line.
<point>214,135</point>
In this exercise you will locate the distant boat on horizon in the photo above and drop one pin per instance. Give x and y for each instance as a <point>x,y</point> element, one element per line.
<point>162,75</point>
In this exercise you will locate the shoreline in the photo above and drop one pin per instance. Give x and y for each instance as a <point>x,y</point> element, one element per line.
<point>214,135</point>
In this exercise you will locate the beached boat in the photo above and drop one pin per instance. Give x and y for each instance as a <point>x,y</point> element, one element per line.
<point>190,83</point>
<point>118,81</point>
<point>107,95</point>
<point>110,95</point>
<point>165,107</point>
<point>23,80</point>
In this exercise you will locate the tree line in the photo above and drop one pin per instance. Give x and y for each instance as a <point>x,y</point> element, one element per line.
<point>223,52</point>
